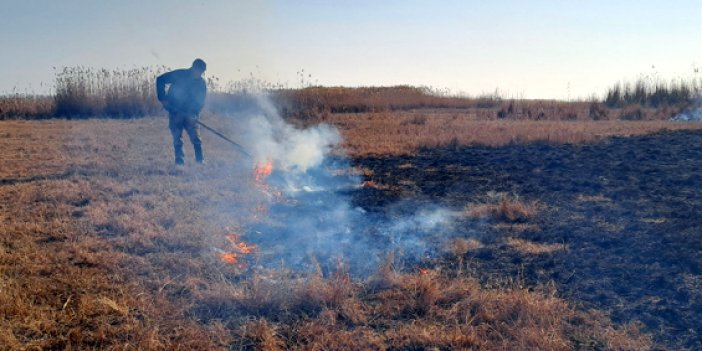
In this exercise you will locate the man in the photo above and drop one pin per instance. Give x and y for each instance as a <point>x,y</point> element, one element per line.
<point>184,100</point>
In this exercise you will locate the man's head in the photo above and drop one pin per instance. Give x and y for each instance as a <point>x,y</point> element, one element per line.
<point>198,67</point>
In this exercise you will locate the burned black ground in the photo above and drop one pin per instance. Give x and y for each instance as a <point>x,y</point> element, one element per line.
<point>627,209</point>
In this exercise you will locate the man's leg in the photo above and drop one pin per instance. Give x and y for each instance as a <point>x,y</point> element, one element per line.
<point>193,130</point>
<point>176,126</point>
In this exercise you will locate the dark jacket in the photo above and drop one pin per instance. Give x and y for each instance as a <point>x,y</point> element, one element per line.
<point>185,94</point>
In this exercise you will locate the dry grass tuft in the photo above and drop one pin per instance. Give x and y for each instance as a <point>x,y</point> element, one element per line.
<point>505,208</point>
<point>592,198</point>
<point>258,334</point>
<point>374,185</point>
<point>532,248</point>
<point>461,246</point>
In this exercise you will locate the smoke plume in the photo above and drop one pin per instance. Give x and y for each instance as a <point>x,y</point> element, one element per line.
<point>692,113</point>
<point>309,219</point>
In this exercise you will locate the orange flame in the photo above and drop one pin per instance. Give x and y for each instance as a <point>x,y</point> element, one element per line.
<point>262,171</point>
<point>245,249</point>
<point>238,248</point>
<point>229,257</point>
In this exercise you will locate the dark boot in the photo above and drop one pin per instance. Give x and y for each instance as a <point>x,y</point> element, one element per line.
<point>198,153</point>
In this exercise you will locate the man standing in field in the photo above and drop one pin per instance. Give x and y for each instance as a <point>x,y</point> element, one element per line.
<point>182,93</point>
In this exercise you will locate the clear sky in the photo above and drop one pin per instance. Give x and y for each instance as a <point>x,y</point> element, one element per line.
<point>531,49</point>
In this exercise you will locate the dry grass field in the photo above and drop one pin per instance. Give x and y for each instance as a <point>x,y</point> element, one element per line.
<point>107,246</point>
<point>399,133</point>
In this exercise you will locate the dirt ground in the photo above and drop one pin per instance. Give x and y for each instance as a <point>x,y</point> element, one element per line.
<point>625,212</point>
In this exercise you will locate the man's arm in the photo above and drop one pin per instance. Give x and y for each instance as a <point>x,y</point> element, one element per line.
<point>161,81</point>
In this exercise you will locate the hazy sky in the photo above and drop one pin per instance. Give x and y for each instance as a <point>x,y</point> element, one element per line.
<point>531,49</point>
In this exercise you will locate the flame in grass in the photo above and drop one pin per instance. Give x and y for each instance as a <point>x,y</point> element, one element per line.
<point>228,257</point>
<point>262,171</point>
<point>240,246</point>
<point>237,250</point>
<point>260,174</point>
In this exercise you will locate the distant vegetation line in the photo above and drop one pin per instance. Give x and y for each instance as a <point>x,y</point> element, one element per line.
<point>646,92</point>
<point>83,92</point>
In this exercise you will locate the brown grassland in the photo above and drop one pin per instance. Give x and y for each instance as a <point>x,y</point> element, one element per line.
<point>404,132</point>
<point>106,246</point>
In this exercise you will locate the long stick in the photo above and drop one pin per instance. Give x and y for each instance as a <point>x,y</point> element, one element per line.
<point>238,147</point>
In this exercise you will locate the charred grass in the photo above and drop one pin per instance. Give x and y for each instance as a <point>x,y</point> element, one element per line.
<point>107,246</point>
<point>611,224</point>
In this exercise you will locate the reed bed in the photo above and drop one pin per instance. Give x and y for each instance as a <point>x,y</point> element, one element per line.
<point>124,93</point>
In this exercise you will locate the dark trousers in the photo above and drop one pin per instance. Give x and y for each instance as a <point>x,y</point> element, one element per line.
<point>176,123</point>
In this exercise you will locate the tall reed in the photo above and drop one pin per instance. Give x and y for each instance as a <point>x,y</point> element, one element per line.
<point>86,92</point>
<point>654,93</point>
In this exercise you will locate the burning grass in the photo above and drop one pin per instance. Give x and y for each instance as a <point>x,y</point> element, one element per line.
<point>108,246</point>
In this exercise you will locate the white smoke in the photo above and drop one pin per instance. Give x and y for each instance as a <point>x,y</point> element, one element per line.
<point>290,149</point>
<point>316,217</point>
<point>410,235</point>
<point>692,113</point>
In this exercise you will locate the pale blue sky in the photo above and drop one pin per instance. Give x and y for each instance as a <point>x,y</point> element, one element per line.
<point>530,49</point>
